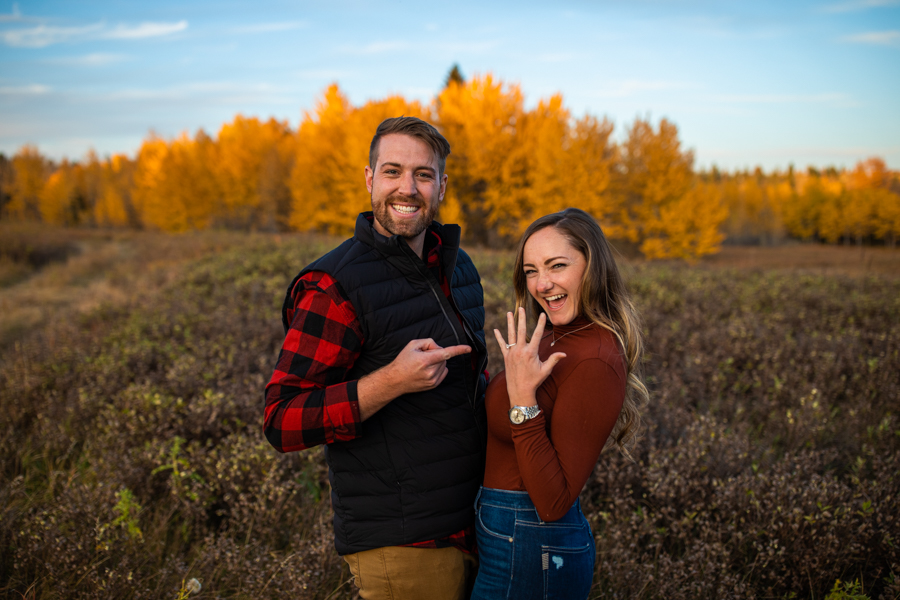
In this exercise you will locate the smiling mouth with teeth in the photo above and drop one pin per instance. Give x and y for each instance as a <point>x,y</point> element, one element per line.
<point>406,210</point>
<point>555,302</point>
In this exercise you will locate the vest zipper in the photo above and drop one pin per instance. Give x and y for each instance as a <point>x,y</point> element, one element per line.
<point>443,310</point>
<point>478,371</point>
<point>423,270</point>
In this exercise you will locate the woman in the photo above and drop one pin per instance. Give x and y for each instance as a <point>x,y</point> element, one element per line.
<point>563,393</point>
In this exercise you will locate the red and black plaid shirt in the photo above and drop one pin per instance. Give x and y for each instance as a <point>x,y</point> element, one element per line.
<point>309,400</point>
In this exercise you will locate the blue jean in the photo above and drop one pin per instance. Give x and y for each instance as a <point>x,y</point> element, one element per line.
<point>522,557</point>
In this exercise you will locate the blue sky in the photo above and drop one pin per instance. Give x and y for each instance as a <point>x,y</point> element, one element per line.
<point>748,83</point>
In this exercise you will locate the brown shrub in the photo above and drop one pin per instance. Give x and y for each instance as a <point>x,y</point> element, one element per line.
<point>132,459</point>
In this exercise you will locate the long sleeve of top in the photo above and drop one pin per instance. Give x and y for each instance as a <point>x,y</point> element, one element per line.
<point>308,399</point>
<point>552,455</point>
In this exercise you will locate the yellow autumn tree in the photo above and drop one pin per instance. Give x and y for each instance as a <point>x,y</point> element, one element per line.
<point>324,178</point>
<point>780,192</point>
<point>818,208</point>
<point>860,213</point>
<point>530,182</point>
<point>801,215</point>
<point>654,172</point>
<point>874,209</point>
<point>753,204</point>
<point>251,159</point>
<point>870,173</point>
<point>327,182</point>
<point>887,215</point>
<point>687,227</point>
<point>175,188</point>
<point>555,163</point>
<point>480,119</point>
<point>70,193</point>
<point>30,170</point>
<point>666,209</point>
<point>148,181</point>
<point>591,157</point>
<point>508,166</point>
<point>832,222</point>
<point>89,179</point>
<point>7,175</point>
<point>57,197</point>
<point>114,207</point>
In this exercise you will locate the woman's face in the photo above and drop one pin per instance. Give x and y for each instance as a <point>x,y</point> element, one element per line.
<point>553,272</point>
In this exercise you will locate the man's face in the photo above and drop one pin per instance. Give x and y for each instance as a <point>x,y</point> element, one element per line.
<point>405,186</point>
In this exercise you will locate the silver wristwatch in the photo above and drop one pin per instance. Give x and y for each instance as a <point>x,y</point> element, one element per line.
<point>520,414</point>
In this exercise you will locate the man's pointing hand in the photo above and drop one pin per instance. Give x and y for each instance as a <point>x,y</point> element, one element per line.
<point>420,366</point>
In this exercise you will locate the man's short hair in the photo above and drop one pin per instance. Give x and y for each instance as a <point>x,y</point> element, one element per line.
<point>416,128</point>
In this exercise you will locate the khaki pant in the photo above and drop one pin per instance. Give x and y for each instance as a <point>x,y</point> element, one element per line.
<point>401,573</point>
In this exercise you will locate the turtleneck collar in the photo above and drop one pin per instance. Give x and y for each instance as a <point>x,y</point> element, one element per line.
<point>579,321</point>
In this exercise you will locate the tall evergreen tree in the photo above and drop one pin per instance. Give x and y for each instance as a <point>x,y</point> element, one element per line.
<point>454,76</point>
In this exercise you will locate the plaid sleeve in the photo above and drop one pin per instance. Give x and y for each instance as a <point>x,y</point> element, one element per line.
<point>308,400</point>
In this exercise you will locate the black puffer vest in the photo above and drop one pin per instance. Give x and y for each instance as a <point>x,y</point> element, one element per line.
<point>414,472</point>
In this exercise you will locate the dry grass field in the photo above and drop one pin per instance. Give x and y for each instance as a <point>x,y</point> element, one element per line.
<point>132,461</point>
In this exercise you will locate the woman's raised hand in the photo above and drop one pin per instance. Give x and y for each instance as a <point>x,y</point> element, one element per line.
<point>524,370</point>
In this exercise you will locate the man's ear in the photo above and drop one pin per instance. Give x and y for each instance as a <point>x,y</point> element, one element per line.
<point>370,174</point>
<point>444,180</point>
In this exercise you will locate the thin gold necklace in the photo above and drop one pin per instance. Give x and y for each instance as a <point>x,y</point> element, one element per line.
<point>553,333</point>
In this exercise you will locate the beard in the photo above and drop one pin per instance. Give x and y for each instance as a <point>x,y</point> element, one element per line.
<point>406,228</point>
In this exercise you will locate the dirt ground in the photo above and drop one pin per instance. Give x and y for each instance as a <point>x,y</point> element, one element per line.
<point>810,258</point>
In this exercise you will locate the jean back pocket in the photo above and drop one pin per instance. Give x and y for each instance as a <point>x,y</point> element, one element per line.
<point>568,572</point>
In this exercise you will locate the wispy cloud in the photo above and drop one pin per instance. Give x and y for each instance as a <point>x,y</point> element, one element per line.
<point>857,5</point>
<point>271,27</point>
<point>219,92</point>
<point>144,30</point>
<point>15,15</point>
<point>41,36</point>
<point>730,27</point>
<point>635,86</point>
<point>24,90</point>
<point>97,59</point>
<point>878,38</point>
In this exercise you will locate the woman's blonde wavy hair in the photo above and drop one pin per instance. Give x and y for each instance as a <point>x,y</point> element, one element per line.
<point>604,301</point>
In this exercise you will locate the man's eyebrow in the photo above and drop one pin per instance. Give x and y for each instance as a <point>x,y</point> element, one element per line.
<point>398,165</point>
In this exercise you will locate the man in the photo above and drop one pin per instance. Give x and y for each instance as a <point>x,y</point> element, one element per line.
<point>382,362</point>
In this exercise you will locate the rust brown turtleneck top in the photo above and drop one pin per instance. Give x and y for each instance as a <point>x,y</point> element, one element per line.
<point>552,455</point>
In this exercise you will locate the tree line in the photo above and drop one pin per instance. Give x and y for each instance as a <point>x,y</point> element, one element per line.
<point>508,166</point>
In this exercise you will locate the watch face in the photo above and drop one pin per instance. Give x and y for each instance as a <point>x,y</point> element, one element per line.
<point>516,415</point>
